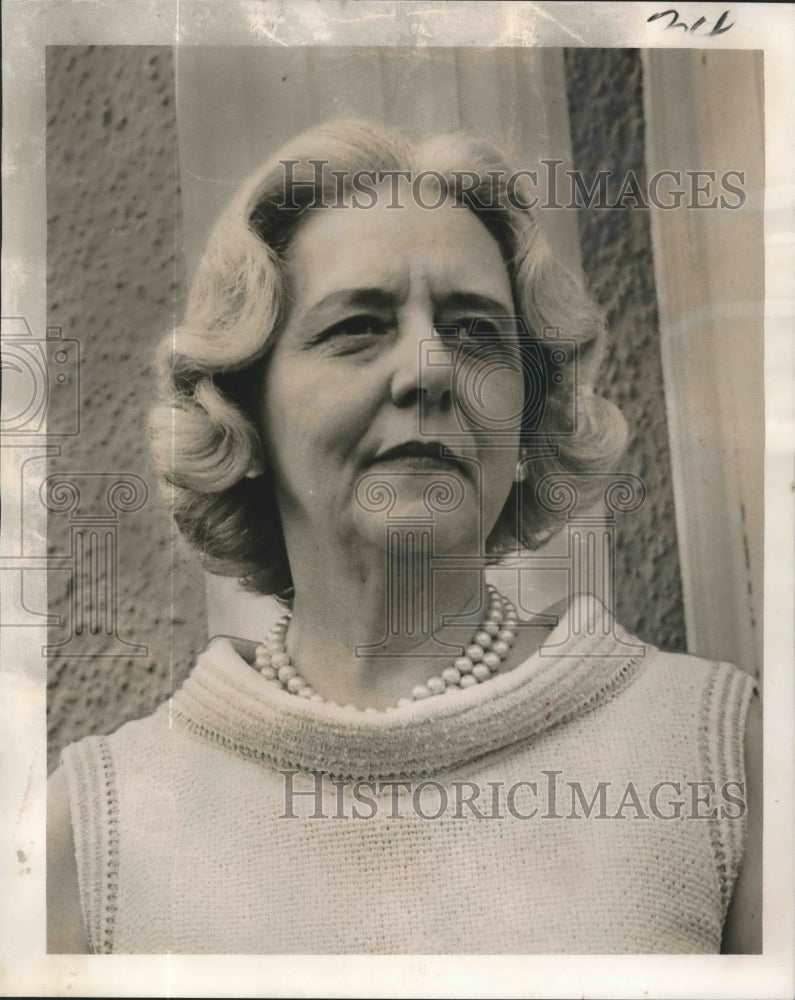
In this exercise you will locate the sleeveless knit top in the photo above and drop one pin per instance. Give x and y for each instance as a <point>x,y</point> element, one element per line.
<point>588,801</point>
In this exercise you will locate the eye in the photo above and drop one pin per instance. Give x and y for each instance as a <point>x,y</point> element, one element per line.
<point>356,327</point>
<point>485,330</point>
<point>480,328</point>
<point>465,328</point>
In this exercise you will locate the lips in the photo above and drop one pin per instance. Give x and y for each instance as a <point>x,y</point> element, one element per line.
<point>420,455</point>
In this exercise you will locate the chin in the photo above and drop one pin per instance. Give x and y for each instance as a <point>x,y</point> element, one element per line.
<point>434,534</point>
<point>444,508</point>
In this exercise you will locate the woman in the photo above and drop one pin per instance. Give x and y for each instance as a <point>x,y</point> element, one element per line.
<point>360,409</point>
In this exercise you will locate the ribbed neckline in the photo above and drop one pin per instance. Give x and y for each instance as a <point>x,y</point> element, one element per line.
<point>226,702</point>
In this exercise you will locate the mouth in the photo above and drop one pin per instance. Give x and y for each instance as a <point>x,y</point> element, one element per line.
<point>420,455</point>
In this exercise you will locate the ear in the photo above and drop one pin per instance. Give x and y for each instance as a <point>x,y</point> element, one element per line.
<point>255,469</point>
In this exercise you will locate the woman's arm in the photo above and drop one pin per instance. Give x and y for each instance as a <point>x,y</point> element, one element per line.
<point>65,932</point>
<point>742,931</point>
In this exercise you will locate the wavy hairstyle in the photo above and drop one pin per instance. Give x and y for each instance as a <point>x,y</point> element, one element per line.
<point>205,444</point>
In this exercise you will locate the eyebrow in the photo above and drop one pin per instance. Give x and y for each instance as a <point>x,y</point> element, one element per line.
<point>475,302</point>
<point>380,298</point>
<point>366,298</point>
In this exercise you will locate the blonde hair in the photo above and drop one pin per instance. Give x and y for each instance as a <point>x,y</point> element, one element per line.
<point>203,440</point>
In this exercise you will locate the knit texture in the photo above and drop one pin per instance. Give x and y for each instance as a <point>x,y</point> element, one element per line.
<point>240,819</point>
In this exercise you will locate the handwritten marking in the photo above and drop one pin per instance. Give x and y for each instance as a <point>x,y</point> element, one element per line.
<point>719,28</point>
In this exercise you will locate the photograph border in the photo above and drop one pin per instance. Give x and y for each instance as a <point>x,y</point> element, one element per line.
<point>29,27</point>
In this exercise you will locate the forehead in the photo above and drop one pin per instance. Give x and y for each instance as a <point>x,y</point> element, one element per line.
<point>447,249</point>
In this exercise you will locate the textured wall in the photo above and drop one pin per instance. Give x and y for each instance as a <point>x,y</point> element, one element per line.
<point>114,280</point>
<point>113,277</point>
<point>605,89</point>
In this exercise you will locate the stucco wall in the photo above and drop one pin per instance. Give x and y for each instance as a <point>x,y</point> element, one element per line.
<point>114,283</point>
<point>605,89</point>
<point>114,273</point>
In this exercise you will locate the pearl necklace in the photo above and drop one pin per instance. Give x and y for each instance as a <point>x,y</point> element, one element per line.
<point>490,644</point>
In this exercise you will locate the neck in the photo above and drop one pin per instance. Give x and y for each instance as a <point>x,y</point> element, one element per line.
<point>362,639</point>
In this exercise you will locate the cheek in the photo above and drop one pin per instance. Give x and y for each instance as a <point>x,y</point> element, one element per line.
<point>284,423</point>
<point>306,411</point>
<point>492,399</point>
<point>294,398</point>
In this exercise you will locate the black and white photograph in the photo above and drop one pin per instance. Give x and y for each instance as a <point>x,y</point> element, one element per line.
<point>397,447</point>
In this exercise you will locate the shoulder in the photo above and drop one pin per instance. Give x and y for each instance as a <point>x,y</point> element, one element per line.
<point>687,665</point>
<point>742,932</point>
<point>710,690</point>
<point>65,930</point>
<point>82,815</point>
<point>723,703</point>
<point>729,716</point>
<point>711,701</point>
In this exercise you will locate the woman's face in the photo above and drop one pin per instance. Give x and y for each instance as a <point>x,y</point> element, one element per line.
<point>347,392</point>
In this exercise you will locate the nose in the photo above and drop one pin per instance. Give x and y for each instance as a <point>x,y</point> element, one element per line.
<point>418,374</point>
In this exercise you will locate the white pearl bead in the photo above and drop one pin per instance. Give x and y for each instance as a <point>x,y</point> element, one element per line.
<point>489,647</point>
<point>491,660</point>
<point>450,675</point>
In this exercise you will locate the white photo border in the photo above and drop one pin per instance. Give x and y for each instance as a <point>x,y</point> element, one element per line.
<point>31,25</point>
